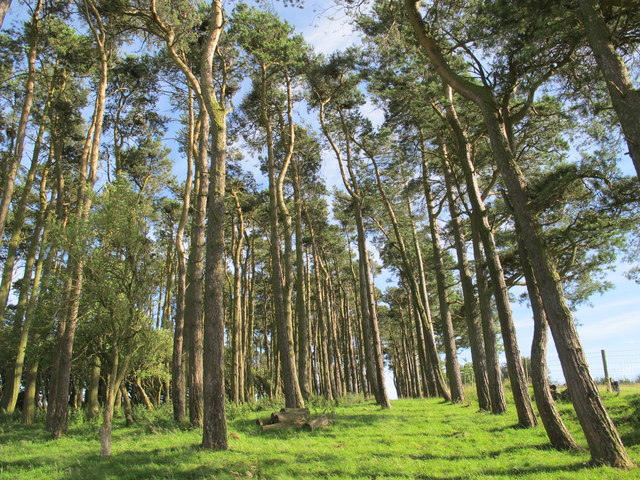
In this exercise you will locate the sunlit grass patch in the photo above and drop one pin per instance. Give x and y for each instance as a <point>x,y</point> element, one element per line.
<point>416,439</point>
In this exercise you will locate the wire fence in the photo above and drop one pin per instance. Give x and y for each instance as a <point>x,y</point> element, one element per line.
<point>621,365</point>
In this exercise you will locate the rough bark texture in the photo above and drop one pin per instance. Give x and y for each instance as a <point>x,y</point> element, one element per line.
<point>194,308</point>
<point>471,307</point>
<point>448,338</point>
<point>603,438</point>
<point>214,432</point>
<point>519,387</point>
<point>496,390</point>
<point>624,98</point>
<point>556,430</point>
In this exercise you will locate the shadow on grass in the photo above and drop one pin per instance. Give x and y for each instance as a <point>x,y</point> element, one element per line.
<point>481,455</point>
<point>505,473</point>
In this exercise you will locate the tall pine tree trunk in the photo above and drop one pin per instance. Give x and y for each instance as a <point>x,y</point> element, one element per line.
<point>58,403</point>
<point>471,312</point>
<point>624,97</point>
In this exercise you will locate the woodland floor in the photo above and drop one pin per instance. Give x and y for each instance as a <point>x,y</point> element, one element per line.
<point>417,439</point>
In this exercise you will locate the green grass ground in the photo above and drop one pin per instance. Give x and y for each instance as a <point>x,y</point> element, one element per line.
<point>417,439</point>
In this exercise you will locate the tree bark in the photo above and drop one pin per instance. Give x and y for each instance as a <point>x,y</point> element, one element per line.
<point>471,311</point>
<point>194,308</point>
<point>556,430</point>
<point>128,409</point>
<point>178,384</point>
<point>58,404</point>
<point>114,380</point>
<point>214,432</point>
<point>16,158</point>
<point>451,352</point>
<point>21,321</point>
<point>301,301</point>
<point>19,215</point>
<point>603,438</point>
<point>624,98</point>
<point>4,8</point>
<point>94,386</point>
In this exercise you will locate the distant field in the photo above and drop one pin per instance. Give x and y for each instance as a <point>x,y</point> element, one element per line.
<point>417,439</point>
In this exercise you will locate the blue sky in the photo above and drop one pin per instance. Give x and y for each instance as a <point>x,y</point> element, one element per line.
<point>611,321</point>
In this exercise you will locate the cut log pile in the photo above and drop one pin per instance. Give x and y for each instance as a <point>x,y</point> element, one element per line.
<point>299,418</point>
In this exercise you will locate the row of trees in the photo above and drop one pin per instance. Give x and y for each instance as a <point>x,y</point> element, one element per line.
<point>494,167</point>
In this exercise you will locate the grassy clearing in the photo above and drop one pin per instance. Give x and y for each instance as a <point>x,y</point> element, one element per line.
<point>419,439</point>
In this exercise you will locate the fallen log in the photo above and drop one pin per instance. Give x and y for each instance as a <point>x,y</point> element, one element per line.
<point>290,416</point>
<point>295,410</point>
<point>320,422</point>
<point>282,426</point>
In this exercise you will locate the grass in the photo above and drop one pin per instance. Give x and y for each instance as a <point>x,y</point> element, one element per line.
<point>417,439</point>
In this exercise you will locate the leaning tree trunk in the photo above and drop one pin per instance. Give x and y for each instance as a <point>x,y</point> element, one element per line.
<point>22,323</point>
<point>471,308</point>
<point>422,301</point>
<point>480,221</point>
<point>624,97</point>
<point>453,369</point>
<point>16,158</point>
<point>601,434</point>
<point>19,216</point>
<point>368,307</point>
<point>603,438</point>
<point>556,430</point>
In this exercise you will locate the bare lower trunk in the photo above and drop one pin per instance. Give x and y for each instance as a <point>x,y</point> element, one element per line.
<point>214,431</point>
<point>496,388</point>
<point>603,438</point>
<point>178,381</point>
<point>556,430</point>
<point>128,409</point>
<point>451,352</point>
<point>301,310</point>
<point>94,385</point>
<point>471,307</point>
<point>105,430</point>
<point>30,393</point>
<point>194,312</point>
